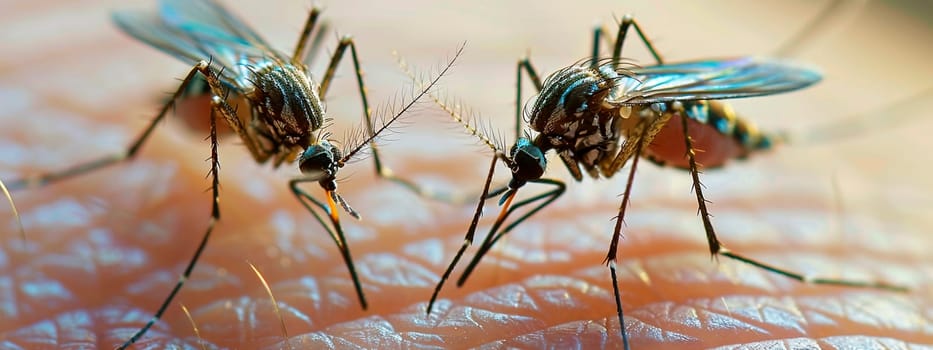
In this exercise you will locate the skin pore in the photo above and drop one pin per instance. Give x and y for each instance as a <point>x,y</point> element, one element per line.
<point>104,249</point>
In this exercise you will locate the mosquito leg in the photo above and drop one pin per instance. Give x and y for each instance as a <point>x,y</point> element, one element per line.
<point>599,33</point>
<point>382,170</point>
<point>597,36</point>
<point>468,239</point>
<point>612,255</point>
<point>315,48</point>
<point>215,214</point>
<point>523,64</point>
<point>86,167</point>
<point>620,220</point>
<point>648,131</point>
<point>495,234</point>
<point>301,48</point>
<point>334,230</point>
<point>629,21</point>
<point>716,247</point>
<point>572,166</point>
<point>335,59</point>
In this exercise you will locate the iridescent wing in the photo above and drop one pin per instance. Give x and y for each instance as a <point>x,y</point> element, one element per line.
<point>711,80</point>
<point>195,30</point>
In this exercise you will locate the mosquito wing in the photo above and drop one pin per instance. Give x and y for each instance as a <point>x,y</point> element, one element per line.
<point>711,80</point>
<point>195,30</point>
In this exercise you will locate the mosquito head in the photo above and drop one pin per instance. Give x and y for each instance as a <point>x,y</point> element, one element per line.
<point>320,162</point>
<point>527,162</point>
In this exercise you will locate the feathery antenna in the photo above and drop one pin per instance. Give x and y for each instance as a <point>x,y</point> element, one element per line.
<point>457,110</point>
<point>425,90</point>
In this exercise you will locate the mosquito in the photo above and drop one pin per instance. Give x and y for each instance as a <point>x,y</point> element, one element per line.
<point>286,122</point>
<point>598,114</point>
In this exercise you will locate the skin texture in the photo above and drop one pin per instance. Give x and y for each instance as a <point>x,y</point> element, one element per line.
<point>104,249</point>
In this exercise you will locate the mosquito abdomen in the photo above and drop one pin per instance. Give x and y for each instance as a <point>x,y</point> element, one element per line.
<point>718,135</point>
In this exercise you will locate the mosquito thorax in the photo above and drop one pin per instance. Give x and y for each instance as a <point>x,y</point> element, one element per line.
<point>570,107</point>
<point>288,102</point>
<point>320,161</point>
<point>569,95</point>
<point>572,118</point>
<point>528,162</point>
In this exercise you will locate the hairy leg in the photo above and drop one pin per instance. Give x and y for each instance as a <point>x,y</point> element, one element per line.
<point>103,249</point>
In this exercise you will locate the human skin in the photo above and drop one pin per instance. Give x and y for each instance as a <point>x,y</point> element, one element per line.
<point>103,250</point>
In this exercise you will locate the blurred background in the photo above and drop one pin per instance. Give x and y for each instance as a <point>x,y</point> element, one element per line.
<point>104,249</point>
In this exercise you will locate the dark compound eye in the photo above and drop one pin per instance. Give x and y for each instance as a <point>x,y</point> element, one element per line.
<point>319,161</point>
<point>529,162</point>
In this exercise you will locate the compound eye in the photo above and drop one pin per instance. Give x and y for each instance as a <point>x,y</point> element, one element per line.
<point>317,162</point>
<point>529,162</point>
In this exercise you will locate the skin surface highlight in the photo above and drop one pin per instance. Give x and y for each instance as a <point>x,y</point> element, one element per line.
<point>103,250</point>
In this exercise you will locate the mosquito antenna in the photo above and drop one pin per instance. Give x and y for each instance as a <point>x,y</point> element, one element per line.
<point>356,136</point>
<point>194,326</point>
<point>275,304</point>
<point>19,221</point>
<point>457,111</point>
<point>425,89</point>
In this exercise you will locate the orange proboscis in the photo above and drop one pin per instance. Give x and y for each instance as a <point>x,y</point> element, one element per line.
<point>334,214</point>
<point>505,207</point>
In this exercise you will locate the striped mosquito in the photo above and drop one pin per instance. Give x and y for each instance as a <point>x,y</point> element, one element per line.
<point>286,122</point>
<point>598,114</point>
